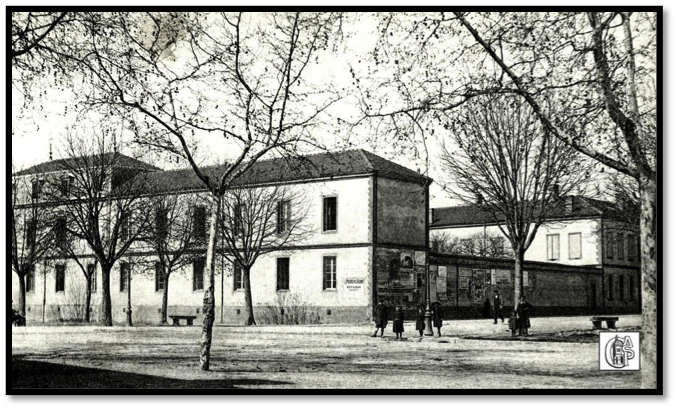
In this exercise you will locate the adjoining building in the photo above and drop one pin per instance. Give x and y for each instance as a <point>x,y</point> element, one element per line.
<point>589,241</point>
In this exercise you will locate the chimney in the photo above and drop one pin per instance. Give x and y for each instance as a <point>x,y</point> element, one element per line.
<point>479,199</point>
<point>569,204</point>
<point>555,190</point>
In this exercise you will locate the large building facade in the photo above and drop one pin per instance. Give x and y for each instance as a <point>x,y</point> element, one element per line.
<point>363,213</point>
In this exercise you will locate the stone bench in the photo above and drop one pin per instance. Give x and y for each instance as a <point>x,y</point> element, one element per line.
<point>610,321</point>
<point>176,319</point>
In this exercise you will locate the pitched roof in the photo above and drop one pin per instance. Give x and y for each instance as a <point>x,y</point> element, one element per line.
<point>579,207</point>
<point>121,160</point>
<point>287,169</point>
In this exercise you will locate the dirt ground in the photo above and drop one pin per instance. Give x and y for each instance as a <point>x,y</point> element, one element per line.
<point>561,353</point>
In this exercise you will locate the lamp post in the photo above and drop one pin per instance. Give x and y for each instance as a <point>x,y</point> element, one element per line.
<point>428,313</point>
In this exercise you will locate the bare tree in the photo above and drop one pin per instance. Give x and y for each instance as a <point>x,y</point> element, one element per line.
<point>179,235</point>
<point>476,244</point>
<point>104,207</point>
<point>599,68</point>
<point>503,154</point>
<point>72,248</point>
<point>32,228</point>
<point>257,221</point>
<point>230,77</point>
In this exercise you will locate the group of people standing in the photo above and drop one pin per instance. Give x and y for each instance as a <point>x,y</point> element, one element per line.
<point>518,322</point>
<point>381,319</point>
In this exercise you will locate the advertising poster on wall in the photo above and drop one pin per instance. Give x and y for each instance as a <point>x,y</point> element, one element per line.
<point>441,287</point>
<point>502,277</point>
<point>419,257</point>
<point>406,260</point>
<point>464,278</point>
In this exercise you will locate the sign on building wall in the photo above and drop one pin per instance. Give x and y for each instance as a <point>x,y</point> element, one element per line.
<point>354,287</point>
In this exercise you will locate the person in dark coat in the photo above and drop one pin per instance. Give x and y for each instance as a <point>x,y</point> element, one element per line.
<point>486,308</point>
<point>380,318</point>
<point>437,317</point>
<point>420,320</point>
<point>512,323</point>
<point>523,311</point>
<point>398,323</point>
<point>497,303</point>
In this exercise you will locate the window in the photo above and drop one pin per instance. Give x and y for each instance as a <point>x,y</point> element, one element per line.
<point>91,272</point>
<point>329,273</point>
<point>60,278</point>
<point>238,278</point>
<point>125,269</point>
<point>199,222</point>
<point>65,185</point>
<point>161,224</point>
<point>610,286</point>
<point>283,216</point>
<point>620,241</point>
<point>60,232</point>
<point>282,273</point>
<point>124,227</point>
<point>553,247</point>
<point>610,245</point>
<point>574,246</point>
<point>30,279</point>
<point>31,229</point>
<point>329,214</point>
<point>632,247</point>
<point>199,274</point>
<point>631,290</point>
<point>237,219</point>
<point>36,187</point>
<point>159,277</point>
<point>621,287</point>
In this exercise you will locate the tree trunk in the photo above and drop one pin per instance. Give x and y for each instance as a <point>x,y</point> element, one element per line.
<point>248,307</point>
<point>647,222</point>
<point>165,294</point>
<point>88,298</point>
<point>22,295</point>
<point>519,277</point>
<point>208,305</point>
<point>106,308</point>
<point>129,298</point>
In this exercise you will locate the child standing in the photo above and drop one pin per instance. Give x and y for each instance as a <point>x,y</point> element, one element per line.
<point>398,323</point>
<point>420,320</point>
<point>512,323</point>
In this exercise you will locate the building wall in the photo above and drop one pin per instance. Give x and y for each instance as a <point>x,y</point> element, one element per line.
<point>588,228</point>
<point>349,302</point>
<point>401,211</point>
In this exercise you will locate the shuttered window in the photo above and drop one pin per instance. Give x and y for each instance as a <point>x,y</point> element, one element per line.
<point>553,247</point>
<point>574,246</point>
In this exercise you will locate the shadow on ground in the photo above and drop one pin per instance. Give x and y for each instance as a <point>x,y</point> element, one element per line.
<point>31,374</point>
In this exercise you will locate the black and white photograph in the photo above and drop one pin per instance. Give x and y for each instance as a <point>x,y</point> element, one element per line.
<point>326,199</point>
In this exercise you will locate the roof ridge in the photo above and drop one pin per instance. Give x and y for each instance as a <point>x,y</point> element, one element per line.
<point>366,159</point>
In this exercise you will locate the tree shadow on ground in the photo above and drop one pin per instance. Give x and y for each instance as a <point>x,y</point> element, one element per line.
<point>31,374</point>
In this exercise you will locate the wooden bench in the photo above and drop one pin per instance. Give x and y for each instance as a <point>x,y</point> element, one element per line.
<point>176,319</point>
<point>610,321</point>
